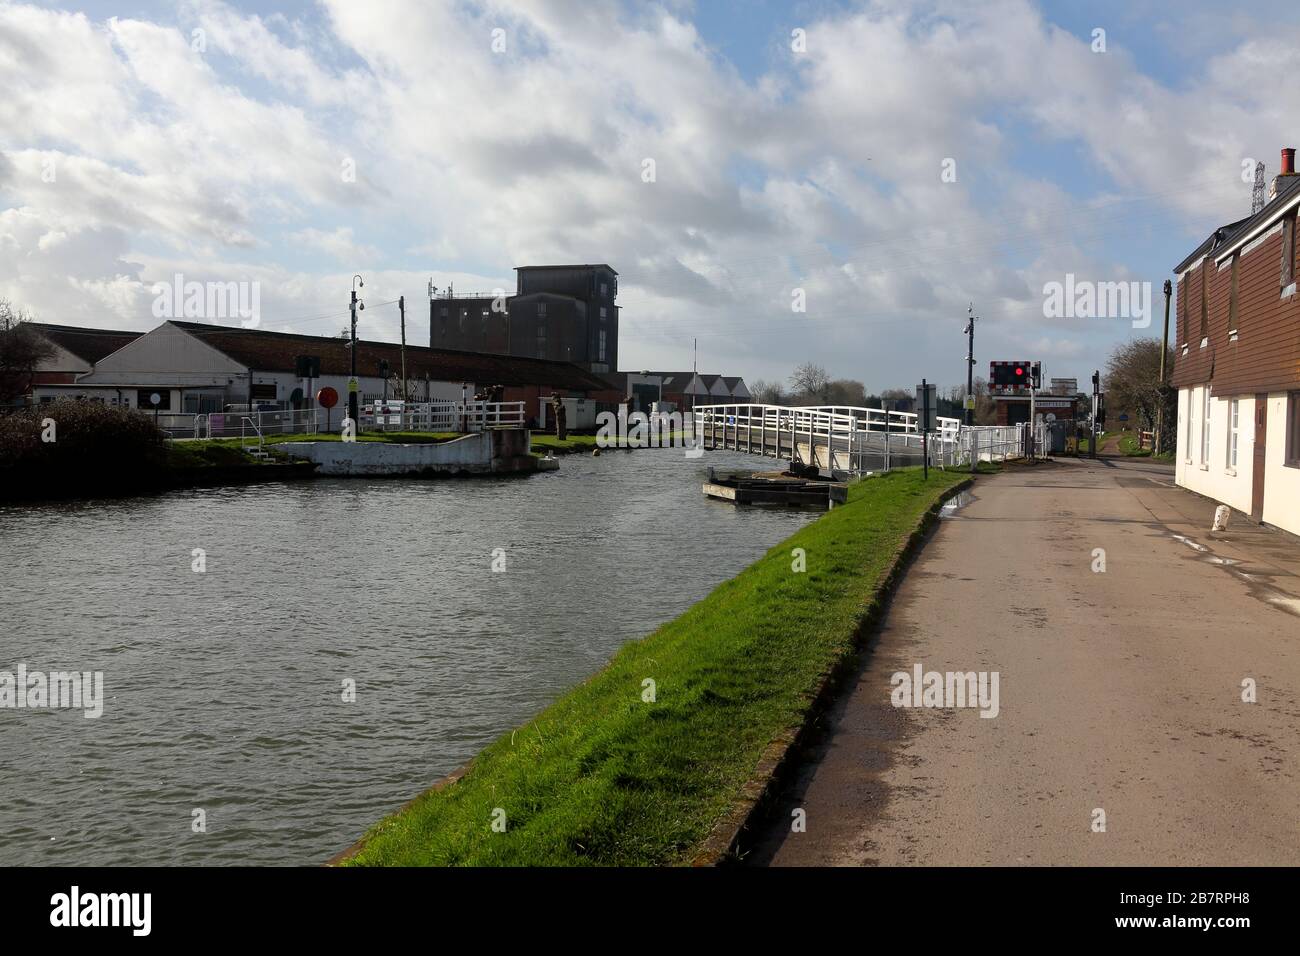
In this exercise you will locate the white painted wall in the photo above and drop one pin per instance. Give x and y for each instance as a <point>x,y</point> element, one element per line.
<point>171,356</point>
<point>1281,484</point>
<point>1213,477</point>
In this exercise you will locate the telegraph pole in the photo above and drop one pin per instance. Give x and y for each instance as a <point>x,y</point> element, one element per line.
<point>1164,351</point>
<point>970,365</point>
<point>401,307</point>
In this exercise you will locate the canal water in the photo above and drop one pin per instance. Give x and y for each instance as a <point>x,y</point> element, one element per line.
<point>223,690</point>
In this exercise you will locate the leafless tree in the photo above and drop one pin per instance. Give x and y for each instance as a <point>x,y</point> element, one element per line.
<point>1132,382</point>
<point>22,350</point>
<point>811,383</point>
<point>767,393</point>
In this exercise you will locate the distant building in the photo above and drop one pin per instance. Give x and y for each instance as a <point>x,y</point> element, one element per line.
<point>197,368</point>
<point>565,313</point>
<point>76,350</point>
<point>1064,386</point>
<point>685,390</point>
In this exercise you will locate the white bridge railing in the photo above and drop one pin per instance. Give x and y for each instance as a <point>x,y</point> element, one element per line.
<point>851,439</point>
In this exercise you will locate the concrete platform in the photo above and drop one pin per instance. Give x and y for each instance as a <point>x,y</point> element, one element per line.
<point>492,452</point>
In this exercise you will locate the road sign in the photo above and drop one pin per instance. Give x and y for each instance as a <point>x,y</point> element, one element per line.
<point>970,401</point>
<point>926,406</point>
<point>352,385</point>
<point>327,397</point>
<point>155,399</point>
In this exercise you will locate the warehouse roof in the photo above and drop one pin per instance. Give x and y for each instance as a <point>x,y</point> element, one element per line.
<point>278,352</point>
<point>89,345</point>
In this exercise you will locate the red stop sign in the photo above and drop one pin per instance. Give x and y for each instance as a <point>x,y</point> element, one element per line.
<point>327,397</point>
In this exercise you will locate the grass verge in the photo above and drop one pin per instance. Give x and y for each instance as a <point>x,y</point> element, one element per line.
<point>603,777</point>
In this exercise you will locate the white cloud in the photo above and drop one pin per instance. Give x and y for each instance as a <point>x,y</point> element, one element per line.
<point>823,174</point>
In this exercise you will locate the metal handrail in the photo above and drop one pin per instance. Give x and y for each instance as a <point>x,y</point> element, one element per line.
<point>838,434</point>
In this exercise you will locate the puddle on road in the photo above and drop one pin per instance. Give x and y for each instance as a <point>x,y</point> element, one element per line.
<point>960,500</point>
<point>1194,545</point>
<point>1260,588</point>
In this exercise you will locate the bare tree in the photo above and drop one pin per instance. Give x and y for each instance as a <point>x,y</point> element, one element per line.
<point>1133,382</point>
<point>811,383</point>
<point>22,350</point>
<point>767,393</point>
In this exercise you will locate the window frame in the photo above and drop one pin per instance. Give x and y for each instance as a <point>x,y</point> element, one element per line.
<point>1206,421</point>
<point>1233,314</point>
<point>1288,254</point>
<point>1291,458</point>
<point>1234,433</point>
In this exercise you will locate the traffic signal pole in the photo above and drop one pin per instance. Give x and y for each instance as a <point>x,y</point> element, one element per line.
<point>1096,385</point>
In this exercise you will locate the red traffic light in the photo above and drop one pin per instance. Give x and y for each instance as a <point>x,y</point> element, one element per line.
<point>1019,370</point>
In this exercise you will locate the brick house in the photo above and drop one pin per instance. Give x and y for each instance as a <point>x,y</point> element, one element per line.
<point>1237,361</point>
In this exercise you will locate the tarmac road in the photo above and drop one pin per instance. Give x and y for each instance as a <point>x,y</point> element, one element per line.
<point>1119,691</point>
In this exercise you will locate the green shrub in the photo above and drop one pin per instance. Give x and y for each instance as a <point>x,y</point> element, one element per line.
<point>95,447</point>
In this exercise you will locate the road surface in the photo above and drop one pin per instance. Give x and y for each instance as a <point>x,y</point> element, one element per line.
<point>1120,692</point>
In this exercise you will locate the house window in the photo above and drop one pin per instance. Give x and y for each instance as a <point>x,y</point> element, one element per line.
<point>602,313</point>
<point>1232,300</point>
<point>1205,307</point>
<point>1187,427</point>
<point>1288,251</point>
<point>541,340</point>
<point>1233,410</point>
<point>600,350</point>
<point>1293,430</point>
<point>1205,429</point>
<point>541,308</point>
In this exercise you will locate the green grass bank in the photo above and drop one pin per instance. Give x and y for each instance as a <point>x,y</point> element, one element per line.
<point>606,777</point>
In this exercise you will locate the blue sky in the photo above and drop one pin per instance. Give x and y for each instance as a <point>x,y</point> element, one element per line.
<point>776,170</point>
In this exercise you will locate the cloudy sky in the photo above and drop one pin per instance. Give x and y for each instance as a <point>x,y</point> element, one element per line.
<point>894,161</point>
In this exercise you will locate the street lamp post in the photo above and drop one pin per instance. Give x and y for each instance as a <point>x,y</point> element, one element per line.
<point>353,410</point>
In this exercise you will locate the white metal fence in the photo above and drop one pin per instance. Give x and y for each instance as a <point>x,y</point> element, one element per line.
<point>426,416</point>
<point>442,416</point>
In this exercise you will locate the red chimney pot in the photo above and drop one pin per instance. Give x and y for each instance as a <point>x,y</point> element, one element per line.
<point>1288,161</point>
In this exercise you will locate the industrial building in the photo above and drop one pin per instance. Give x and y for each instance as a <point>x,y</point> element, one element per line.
<point>196,368</point>
<point>564,313</point>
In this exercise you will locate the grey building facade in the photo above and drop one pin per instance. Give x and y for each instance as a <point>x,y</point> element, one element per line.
<point>566,313</point>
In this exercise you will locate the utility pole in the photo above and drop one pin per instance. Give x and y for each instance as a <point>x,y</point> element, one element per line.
<point>1164,351</point>
<point>970,365</point>
<point>695,375</point>
<point>353,410</point>
<point>401,307</point>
